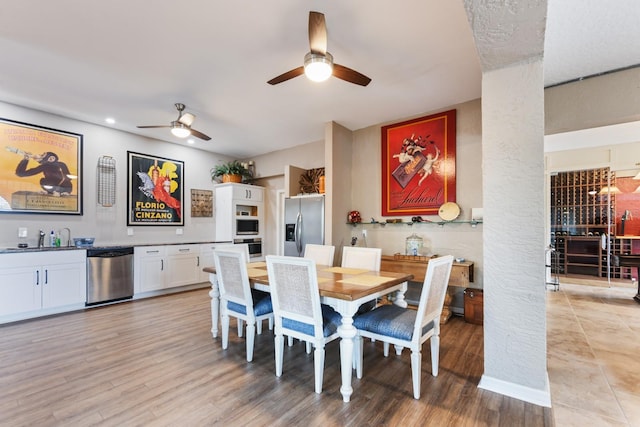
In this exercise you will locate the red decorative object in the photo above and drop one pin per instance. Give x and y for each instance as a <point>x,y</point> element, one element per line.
<point>354,217</point>
<point>419,165</point>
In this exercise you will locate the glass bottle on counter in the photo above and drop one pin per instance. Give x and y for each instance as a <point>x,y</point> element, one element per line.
<point>414,245</point>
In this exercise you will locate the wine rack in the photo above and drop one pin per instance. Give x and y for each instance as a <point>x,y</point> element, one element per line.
<point>579,219</point>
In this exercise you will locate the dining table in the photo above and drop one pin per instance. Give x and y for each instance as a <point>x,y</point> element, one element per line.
<point>343,289</point>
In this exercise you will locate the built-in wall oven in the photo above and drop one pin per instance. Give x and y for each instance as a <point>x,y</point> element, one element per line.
<point>255,246</point>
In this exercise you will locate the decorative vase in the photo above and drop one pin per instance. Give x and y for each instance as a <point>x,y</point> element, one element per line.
<point>231,178</point>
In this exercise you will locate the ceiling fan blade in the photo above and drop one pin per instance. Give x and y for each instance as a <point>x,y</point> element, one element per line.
<point>187,119</point>
<point>200,135</point>
<point>156,126</point>
<point>287,76</point>
<point>317,33</point>
<point>349,75</point>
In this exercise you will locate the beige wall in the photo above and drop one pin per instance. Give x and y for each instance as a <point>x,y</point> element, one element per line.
<point>461,240</point>
<point>354,180</point>
<point>339,155</point>
<point>306,155</point>
<point>622,158</point>
<point>609,99</point>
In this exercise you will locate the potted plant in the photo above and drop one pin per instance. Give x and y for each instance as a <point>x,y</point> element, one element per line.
<point>233,171</point>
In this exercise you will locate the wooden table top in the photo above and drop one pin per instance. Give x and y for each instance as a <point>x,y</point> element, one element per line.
<point>337,282</point>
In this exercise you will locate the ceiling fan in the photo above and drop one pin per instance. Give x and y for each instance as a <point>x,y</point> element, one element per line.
<point>181,127</point>
<point>319,61</point>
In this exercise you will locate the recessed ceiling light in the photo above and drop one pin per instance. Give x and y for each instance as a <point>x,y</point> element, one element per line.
<point>191,141</point>
<point>110,120</point>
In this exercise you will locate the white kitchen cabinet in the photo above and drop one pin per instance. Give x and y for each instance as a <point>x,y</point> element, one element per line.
<point>149,267</point>
<point>164,267</point>
<point>64,284</point>
<point>183,263</point>
<point>20,290</point>
<point>42,281</point>
<point>239,211</point>
<point>244,192</point>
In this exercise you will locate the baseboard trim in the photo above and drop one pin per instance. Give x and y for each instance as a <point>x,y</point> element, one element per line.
<point>526,394</point>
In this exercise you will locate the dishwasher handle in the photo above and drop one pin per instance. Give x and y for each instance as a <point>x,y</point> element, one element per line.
<point>109,252</point>
<point>108,255</point>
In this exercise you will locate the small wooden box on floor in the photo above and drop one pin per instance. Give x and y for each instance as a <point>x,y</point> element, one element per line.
<point>473,311</point>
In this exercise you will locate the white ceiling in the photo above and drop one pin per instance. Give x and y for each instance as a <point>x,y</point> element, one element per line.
<point>132,60</point>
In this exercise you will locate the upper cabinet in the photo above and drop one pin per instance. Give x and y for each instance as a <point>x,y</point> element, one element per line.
<point>247,192</point>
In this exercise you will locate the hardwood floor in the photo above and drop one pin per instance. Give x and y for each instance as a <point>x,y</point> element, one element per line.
<point>153,362</point>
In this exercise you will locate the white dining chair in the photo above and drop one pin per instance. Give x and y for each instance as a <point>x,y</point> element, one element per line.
<point>406,327</point>
<point>365,258</point>
<point>242,247</point>
<point>360,257</point>
<point>321,254</point>
<point>237,299</point>
<point>239,247</point>
<point>297,310</point>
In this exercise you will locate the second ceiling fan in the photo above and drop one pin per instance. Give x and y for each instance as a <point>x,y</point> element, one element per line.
<point>181,126</point>
<point>319,61</point>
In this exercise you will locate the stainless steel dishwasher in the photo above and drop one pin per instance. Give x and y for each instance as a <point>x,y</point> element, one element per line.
<point>109,274</point>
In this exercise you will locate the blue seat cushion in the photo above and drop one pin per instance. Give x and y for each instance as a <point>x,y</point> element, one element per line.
<point>391,321</point>
<point>261,304</point>
<point>331,319</point>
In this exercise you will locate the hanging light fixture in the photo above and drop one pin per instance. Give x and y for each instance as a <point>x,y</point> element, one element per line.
<point>610,189</point>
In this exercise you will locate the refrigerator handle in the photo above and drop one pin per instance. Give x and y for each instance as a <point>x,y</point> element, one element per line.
<point>299,233</point>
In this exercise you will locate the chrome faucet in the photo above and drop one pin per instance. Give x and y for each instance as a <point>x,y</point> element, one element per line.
<point>41,239</point>
<point>68,235</point>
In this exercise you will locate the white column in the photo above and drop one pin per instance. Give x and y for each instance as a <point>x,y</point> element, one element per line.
<point>514,241</point>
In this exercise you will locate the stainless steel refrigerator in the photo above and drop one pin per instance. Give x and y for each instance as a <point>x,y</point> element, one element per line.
<point>303,223</point>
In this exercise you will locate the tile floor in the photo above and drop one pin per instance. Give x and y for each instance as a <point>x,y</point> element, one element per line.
<point>593,344</point>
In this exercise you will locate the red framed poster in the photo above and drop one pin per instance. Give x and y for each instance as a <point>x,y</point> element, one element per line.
<point>419,165</point>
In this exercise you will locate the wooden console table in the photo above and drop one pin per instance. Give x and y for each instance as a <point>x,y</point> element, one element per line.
<point>461,274</point>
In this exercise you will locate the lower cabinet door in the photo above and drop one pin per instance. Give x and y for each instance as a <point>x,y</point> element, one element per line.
<point>63,284</point>
<point>20,290</point>
<point>152,274</point>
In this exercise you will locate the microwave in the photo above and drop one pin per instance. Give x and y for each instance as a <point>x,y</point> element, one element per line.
<point>247,227</point>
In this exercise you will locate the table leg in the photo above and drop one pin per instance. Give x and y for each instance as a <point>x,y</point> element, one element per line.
<point>446,311</point>
<point>347,333</point>
<point>399,297</point>
<point>215,304</point>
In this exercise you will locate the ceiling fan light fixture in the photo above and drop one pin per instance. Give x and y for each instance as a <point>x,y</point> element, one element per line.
<point>317,67</point>
<point>180,130</point>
